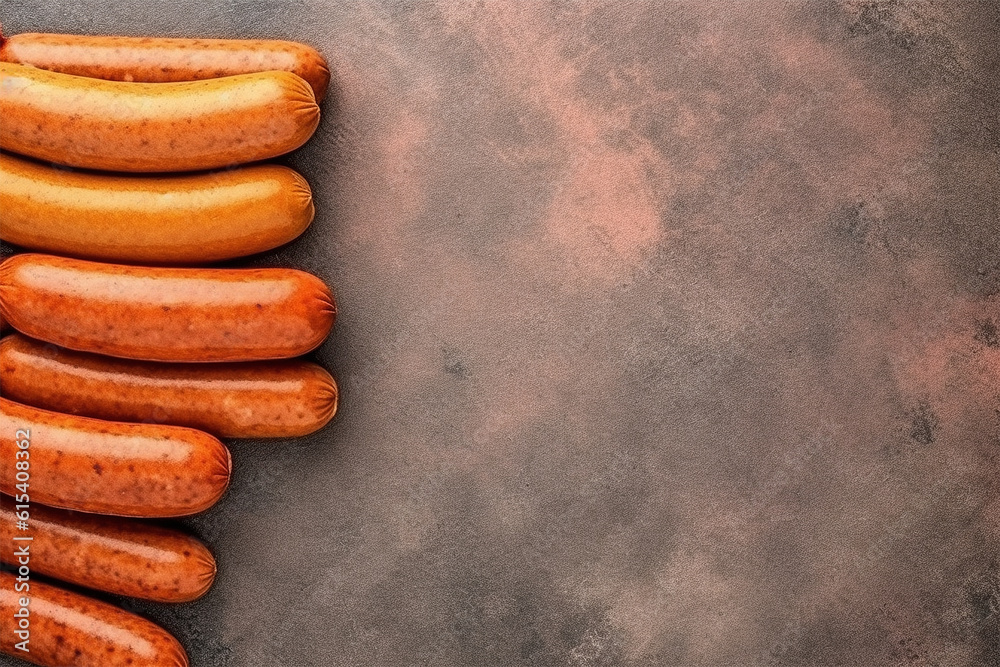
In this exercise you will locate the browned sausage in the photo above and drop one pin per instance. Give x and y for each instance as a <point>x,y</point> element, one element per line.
<point>120,556</point>
<point>189,219</point>
<point>153,127</point>
<point>248,400</point>
<point>166,314</point>
<point>162,59</point>
<point>66,629</point>
<point>91,465</point>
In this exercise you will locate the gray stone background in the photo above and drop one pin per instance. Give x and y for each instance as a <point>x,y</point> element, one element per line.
<point>668,336</point>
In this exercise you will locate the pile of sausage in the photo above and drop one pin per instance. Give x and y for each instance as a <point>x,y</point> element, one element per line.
<point>125,369</point>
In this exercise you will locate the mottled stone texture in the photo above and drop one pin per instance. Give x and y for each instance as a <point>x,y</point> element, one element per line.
<point>669,336</point>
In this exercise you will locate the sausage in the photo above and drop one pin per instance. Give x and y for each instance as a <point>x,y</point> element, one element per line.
<point>120,556</point>
<point>259,399</point>
<point>164,59</point>
<point>66,629</point>
<point>189,219</point>
<point>153,127</point>
<point>104,467</point>
<point>166,314</point>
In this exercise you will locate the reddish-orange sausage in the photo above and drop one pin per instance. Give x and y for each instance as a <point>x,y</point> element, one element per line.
<point>162,59</point>
<point>91,465</point>
<point>190,219</point>
<point>153,127</point>
<point>249,400</point>
<point>161,314</point>
<point>120,556</point>
<point>66,629</point>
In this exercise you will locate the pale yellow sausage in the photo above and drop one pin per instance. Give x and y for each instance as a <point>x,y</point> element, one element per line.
<point>189,219</point>
<point>160,59</point>
<point>153,127</point>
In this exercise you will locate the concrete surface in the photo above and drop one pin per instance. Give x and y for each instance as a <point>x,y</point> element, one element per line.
<point>668,337</point>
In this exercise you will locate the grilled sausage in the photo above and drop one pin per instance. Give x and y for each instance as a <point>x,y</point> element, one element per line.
<point>249,400</point>
<point>164,59</point>
<point>119,556</point>
<point>189,219</point>
<point>66,629</point>
<point>166,314</point>
<point>153,127</point>
<point>91,465</point>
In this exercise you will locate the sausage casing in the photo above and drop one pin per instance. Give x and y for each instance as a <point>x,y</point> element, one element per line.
<point>67,629</point>
<point>120,556</point>
<point>153,127</point>
<point>190,219</point>
<point>92,465</point>
<point>164,59</point>
<point>166,314</point>
<point>261,399</point>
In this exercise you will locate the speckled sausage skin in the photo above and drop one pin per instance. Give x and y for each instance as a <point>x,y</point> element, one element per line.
<point>71,630</point>
<point>120,556</point>
<point>190,219</point>
<point>259,399</point>
<point>91,465</point>
<point>162,59</point>
<point>166,314</point>
<point>153,127</point>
